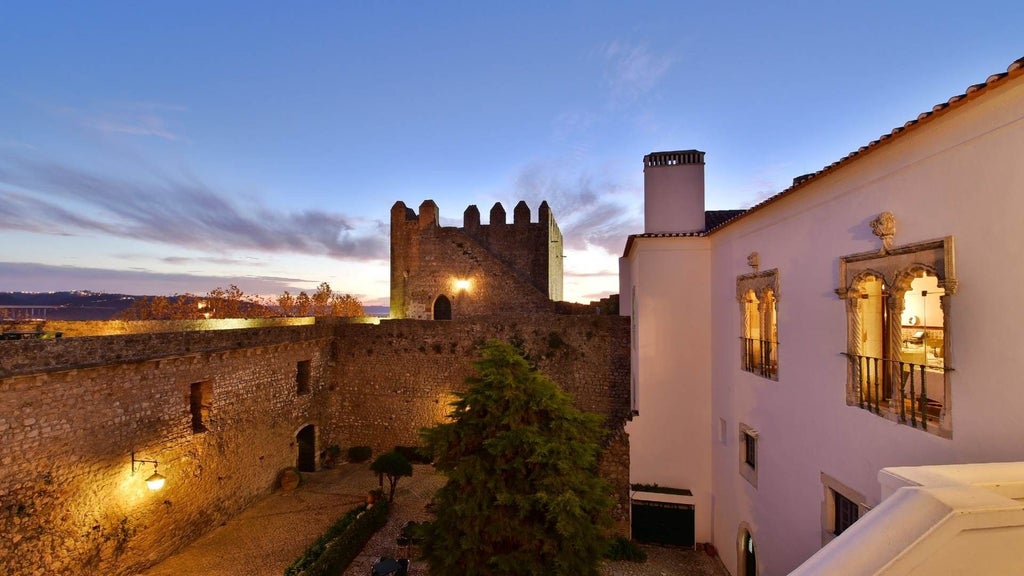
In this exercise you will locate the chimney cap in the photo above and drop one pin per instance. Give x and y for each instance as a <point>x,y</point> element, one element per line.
<point>674,158</point>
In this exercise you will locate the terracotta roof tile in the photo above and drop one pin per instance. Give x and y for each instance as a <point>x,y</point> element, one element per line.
<point>712,219</point>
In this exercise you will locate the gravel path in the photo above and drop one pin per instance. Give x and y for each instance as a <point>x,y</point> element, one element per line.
<point>270,534</point>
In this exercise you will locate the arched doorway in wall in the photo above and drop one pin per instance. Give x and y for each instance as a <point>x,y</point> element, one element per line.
<point>306,440</point>
<point>442,308</point>
<point>747,554</point>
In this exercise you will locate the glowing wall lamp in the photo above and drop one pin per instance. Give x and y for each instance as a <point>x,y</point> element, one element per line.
<point>154,482</point>
<point>462,285</point>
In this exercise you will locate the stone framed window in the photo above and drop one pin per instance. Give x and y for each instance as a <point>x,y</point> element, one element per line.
<point>841,507</point>
<point>898,304</point>
<point>758,294</point>
<point>748,440</point>
<point>303,376</point>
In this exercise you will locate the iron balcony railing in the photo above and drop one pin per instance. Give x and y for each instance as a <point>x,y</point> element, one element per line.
<point>760,357</point>
<point>895,387</point>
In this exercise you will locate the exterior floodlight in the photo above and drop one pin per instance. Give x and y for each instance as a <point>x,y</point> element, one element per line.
<point>156,481</point>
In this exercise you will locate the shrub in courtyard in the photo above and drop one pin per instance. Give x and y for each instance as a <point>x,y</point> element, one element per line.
<point>359,454</point>
<point>392,466</point>
<point>625,549</point>
<point>523,495</point>
<point>329,456</point>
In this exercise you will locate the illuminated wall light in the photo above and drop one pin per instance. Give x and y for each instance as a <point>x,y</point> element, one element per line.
<point>156,480</point>
<point>462,285</point>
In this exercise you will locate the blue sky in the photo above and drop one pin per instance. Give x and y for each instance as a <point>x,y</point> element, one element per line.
<point>165,148</point>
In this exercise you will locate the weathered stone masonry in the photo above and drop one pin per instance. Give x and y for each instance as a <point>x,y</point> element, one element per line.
<point>72,410</point>
<point>397,378</point>
<point>515,268</point>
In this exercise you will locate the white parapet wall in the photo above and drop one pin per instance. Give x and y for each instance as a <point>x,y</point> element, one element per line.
<point>956,519</point>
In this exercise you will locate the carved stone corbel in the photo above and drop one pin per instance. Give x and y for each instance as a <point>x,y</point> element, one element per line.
<point>884,226</point>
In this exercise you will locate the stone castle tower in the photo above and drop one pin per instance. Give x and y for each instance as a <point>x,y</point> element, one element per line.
<point>442,273</point>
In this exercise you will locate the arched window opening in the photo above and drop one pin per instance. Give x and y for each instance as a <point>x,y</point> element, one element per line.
<point>897,345</point>
<point>751,332</point>
<point>759,327</point>
<point>442,308</point>
<point>748,555</point>
<point>898,303</point>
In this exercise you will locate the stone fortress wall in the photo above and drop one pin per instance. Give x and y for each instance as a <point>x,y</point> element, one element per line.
<point>514,267</point>
<point>72,411</point>
<point>225,405</point>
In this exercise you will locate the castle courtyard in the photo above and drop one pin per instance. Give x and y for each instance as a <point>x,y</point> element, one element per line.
<point>270,534</point>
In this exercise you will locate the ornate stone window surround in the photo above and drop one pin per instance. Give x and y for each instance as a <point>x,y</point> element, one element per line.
<point>758,325</point>
<point>897,267</point>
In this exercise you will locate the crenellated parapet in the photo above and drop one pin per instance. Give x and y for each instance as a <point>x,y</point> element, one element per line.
<point>478,268</point>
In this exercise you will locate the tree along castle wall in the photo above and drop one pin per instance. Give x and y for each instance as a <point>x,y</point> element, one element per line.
<point>72,410</point>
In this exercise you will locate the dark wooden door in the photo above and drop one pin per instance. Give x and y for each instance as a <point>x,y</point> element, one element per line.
<point>663,523</point>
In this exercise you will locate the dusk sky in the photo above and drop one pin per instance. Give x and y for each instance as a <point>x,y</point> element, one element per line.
<point>161,148</point>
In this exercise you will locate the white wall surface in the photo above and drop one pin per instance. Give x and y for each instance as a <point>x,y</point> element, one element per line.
<point>960,175</point>
<point>669,438</point>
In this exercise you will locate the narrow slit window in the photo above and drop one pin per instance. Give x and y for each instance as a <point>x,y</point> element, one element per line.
<point>303,376</point>
<point>200,398</point>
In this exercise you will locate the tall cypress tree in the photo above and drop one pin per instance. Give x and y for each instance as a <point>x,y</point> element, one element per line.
<point>523,495</point>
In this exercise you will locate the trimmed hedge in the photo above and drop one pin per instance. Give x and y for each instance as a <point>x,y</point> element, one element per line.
<point>359,453</point>
<point>416,454</point>
<point>344,540</point>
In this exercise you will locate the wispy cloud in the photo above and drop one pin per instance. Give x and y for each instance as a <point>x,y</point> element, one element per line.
<point>16,144</point>
<point>139,125</point>
<point>599,274</point>
<point>208,260</point>
<point>633,70</point>
<point>591,212</point>
<point>174,211</point>
<point>133,118</point>
<point>19,276</point>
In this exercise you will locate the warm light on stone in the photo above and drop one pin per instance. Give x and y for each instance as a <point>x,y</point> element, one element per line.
<point>156,481</point>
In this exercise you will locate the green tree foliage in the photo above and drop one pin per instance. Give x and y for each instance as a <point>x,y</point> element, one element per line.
<point>287,303</point>
<point>323,302</point>
<point>321,299</point>
<point>217,303</point>
<point>392,466</point>
<point>303,305</point>
<point>346,306</point>
<point>523,495</point>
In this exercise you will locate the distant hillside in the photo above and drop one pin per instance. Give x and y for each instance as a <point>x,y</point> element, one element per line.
<point>85,305</point>
<point>78,305</point>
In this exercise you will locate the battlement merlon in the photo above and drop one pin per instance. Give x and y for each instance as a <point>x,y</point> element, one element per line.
<point>429,215</point>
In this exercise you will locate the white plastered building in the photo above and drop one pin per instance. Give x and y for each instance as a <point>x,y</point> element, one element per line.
<point>865,318</point>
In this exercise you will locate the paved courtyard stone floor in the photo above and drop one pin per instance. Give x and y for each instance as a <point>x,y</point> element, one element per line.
<point>270,534</point>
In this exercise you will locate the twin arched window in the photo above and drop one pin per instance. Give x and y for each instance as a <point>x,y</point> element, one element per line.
<point>759,335</point>
<point>897,312</point>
